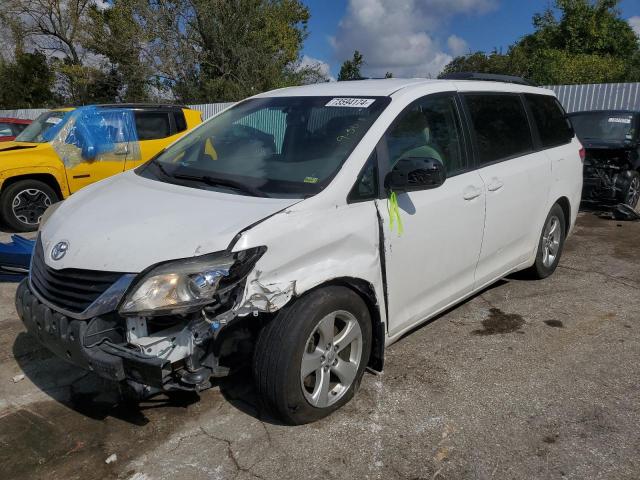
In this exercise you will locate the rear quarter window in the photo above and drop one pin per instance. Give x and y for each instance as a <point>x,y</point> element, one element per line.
<point>152,125</point>
<point>500,125</point>
<point>553,125</point>
<point>181,122</point>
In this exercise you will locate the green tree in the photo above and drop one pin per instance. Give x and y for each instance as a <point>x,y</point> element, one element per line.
<point>224,50</point>
<point>580,41</point>
<point>118,34</point>
<point>350,69</point>
<point>26,82</point>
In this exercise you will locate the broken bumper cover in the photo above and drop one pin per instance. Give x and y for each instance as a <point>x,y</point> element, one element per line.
<point>66,338</point>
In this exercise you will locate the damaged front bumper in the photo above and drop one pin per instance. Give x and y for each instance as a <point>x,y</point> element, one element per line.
<point>118,349</point>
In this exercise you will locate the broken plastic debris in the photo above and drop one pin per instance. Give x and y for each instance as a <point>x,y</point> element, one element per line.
<point>270,297</point>
<point>111,458</point>
<point>15,258</point>
<point>18,378</point>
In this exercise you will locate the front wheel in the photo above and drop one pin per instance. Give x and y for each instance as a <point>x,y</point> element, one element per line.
<point>310,359</point>
<point>631,190</point>
<point>23,203</point>
<point>550,244</point>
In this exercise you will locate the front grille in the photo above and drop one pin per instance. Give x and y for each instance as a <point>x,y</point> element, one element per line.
<point>71,289</point>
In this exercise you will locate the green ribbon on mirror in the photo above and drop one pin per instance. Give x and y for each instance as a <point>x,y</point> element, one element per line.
<point>394,213</point>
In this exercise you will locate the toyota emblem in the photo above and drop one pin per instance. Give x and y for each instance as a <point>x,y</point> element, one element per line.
<point>59,250</point>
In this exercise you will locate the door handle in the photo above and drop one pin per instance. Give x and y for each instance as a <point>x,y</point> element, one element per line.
<point>496,184</point>
<point>471,192</point>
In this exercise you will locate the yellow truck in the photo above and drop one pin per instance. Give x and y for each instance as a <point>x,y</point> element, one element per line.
<point>66,149</point>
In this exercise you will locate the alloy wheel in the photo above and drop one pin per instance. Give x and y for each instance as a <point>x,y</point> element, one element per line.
<point>633,194</point>
<point>29,205</point>
<point>551,241</point>
<point>331,359</point>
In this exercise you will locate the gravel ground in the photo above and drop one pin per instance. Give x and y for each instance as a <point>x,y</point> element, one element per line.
<point>526,380</point>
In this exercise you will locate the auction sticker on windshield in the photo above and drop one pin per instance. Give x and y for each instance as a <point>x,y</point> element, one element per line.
<point>351,102</point>
<point>619,120</point>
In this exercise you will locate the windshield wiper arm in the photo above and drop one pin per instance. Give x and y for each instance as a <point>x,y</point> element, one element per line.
<point>161,168</point>
<point>221,182</point>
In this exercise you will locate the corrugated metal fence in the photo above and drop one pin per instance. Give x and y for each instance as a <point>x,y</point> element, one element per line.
<point>604,96</point>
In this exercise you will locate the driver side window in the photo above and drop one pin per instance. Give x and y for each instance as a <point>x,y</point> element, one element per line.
<point>430,128</point>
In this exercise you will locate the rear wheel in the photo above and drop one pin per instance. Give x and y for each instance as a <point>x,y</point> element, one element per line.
<point>23,203</point>
<point>550,244</point>
<point>310,359</point>
<point>631,190</point>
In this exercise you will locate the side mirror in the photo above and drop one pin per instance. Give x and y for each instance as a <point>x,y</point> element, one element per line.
<point>89,152</point>
<point>415,173</point>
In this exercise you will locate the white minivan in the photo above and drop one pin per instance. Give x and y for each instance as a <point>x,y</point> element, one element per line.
<point>304,230</point>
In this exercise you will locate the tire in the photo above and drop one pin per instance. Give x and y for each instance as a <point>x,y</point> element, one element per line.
<point>35,197</point>
<point>300,332</point>
<point>550,245</point>
<point>630,194</point>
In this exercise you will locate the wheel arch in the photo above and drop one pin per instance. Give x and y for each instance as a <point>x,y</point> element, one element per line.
<point>565,204</point>
<point>366,291</point>
<point>47,178</point>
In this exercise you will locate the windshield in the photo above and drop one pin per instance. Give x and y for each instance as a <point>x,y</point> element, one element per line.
<point>603,126</point>
<point>34,132</point>
<point>276,146</point>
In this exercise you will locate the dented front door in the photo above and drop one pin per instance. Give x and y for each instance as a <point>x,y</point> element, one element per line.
<point>431,263</point>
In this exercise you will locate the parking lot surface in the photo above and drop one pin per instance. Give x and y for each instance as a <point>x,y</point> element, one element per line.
<point>529,379</point>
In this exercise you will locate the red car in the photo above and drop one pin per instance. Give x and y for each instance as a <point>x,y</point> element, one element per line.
<point>10,128</point>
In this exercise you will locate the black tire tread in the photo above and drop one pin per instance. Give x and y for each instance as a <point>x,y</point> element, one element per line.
<point>272,355</point>
<point>7,194</point>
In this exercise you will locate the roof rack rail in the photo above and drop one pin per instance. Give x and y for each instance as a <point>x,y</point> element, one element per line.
<point>487,77</point>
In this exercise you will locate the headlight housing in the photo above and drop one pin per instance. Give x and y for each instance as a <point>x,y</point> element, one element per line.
<point>184,286</point>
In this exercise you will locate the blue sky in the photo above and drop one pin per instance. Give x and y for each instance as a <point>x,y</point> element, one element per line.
<point>417,37</point>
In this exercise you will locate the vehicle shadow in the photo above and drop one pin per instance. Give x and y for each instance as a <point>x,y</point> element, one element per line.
<point>96,398</point>
<point>498,284</point>
<point>85,392</point>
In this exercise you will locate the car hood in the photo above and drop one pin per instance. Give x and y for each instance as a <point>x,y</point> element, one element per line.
<point>12,147</point>
<point>127,223</point>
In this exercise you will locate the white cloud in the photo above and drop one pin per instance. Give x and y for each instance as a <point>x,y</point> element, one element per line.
<point>323,67</point>
<point>635,24</point>
<point>102,4</point>
<point>457,46</point>
<point>402,36</point>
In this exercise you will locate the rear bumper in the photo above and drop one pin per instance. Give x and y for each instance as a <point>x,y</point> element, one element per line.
<point>76,342</point>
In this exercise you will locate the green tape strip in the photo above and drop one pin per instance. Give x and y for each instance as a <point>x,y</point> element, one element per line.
<point>394,213</point>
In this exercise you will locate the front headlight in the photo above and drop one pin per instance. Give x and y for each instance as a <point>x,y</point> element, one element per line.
<point>185,286</point>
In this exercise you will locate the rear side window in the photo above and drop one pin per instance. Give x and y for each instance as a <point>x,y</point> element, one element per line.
<point>500,125</point>
<point>553,126</point>
<point>181,122</point>
<point>152,125</point>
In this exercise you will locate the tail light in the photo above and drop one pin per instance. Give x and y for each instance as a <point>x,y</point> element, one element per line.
<point>582,152</point>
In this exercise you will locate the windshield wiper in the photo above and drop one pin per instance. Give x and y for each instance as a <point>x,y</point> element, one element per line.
<point>161,168</point>
<point>221,182</point>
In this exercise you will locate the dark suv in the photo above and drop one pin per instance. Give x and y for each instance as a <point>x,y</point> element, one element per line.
<point>612,164</point>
